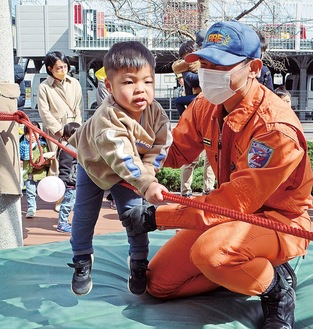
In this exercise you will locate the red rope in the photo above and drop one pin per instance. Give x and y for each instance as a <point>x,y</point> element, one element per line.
<point>248,218</point>
<point>21,117</point>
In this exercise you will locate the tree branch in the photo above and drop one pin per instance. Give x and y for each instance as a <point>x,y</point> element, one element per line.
<point>248,11</point>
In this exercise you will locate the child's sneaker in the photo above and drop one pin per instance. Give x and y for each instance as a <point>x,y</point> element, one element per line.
<point>64,228</point>
<point>81,281</point>
<point>113,205</point>
<point>30,213</point>
<point>137,280</point>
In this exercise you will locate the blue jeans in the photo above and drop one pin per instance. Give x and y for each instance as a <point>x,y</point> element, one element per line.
<point>31,194</point>
<point>86,212</point>
<point>67,205</point>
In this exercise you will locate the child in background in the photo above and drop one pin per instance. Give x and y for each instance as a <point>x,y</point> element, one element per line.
<point>67,172</point>
<point>31,175</point>
<point>283,93</point>
<point>126,139</point>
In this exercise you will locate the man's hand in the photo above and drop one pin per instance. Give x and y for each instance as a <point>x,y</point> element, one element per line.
<point>139,220</point>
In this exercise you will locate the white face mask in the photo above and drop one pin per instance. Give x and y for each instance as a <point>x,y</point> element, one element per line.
<point>215,84</point>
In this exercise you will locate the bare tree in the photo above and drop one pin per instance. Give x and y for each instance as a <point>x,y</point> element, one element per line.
<point>204,13</point>
<point>153,14</point>
<point>248,11</point>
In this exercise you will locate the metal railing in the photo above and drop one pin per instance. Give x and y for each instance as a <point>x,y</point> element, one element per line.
<point>93,26</point>
<point>302,105</point>
<point>173,43</point>
<point>290,44</point>
<point>166,97</point>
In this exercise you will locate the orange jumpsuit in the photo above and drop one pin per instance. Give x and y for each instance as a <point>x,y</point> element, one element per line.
<point>259,155</point>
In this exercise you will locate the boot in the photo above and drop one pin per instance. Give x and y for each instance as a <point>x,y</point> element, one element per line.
<point>287,272</point>
<point>278,304</point>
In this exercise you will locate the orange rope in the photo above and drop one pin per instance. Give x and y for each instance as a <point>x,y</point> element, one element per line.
<point>21,117</point>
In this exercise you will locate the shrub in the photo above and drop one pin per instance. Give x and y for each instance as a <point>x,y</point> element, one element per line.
<point>171,178</point>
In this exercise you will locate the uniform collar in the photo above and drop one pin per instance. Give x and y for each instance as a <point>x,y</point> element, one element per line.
<point>243,112</point>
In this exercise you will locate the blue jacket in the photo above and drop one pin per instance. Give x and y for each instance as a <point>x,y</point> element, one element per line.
<point>266,78</point>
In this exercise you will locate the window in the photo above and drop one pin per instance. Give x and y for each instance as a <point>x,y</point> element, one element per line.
<point>169,79</point>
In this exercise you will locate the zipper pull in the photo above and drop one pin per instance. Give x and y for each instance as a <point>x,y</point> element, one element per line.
<point>219,143</point>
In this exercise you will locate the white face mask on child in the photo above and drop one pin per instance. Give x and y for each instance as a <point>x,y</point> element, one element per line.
<point>215,84</point>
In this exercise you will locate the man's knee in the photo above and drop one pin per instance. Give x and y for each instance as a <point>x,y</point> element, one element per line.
<point>160,291</point>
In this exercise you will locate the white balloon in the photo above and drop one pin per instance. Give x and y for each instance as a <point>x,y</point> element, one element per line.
<point>51,189</point>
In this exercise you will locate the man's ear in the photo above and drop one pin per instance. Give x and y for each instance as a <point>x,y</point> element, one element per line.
<point>108,85</point>
<point>255,67</point>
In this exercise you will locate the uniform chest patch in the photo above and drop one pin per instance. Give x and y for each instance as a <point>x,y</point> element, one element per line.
<point>207,141</point>
<point>259,154</point>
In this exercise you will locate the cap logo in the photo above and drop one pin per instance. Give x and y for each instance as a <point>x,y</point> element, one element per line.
<point>216,37</point>
<point>219,38</point>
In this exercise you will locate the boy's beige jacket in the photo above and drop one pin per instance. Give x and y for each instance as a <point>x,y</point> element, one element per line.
<point>111,146</point>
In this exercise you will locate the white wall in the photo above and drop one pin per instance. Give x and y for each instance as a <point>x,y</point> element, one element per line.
<point>40,29</point>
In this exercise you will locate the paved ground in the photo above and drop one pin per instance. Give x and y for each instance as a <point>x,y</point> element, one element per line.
<point>42,228</point>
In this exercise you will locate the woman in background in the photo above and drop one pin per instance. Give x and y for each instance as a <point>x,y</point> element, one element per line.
<point>59,100</point>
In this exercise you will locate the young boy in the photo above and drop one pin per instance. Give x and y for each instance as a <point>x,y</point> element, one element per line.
<point>125,140</point>
<point>284,94</point>
<point>32,176</point>
<point>67,173</point>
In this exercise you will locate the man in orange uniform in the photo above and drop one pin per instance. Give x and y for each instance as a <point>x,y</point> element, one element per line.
<point>258,152</point>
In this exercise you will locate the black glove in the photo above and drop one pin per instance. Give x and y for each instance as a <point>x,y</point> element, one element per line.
<point>139,220</point>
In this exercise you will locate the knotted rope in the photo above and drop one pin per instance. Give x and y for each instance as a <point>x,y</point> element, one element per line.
<point>22,118</point>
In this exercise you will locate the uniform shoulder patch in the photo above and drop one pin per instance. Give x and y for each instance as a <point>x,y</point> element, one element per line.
<point>259,154</point>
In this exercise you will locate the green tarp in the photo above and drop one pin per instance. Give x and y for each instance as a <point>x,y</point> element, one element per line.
<point>35,293</point>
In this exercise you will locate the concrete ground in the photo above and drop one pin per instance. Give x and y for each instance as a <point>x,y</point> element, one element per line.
<point>42,228</point>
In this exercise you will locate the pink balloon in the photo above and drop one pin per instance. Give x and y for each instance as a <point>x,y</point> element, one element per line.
<point>51,189</point>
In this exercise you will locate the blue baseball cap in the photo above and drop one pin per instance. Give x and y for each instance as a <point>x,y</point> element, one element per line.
<point>228,43</point>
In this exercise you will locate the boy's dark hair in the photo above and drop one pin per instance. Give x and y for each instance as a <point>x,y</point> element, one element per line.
<point>34,123</point>
<point>187,47</point>
<point>70,128</point>
<point>281,91</point>
<point>52,57</point>
<point>125,55</point>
